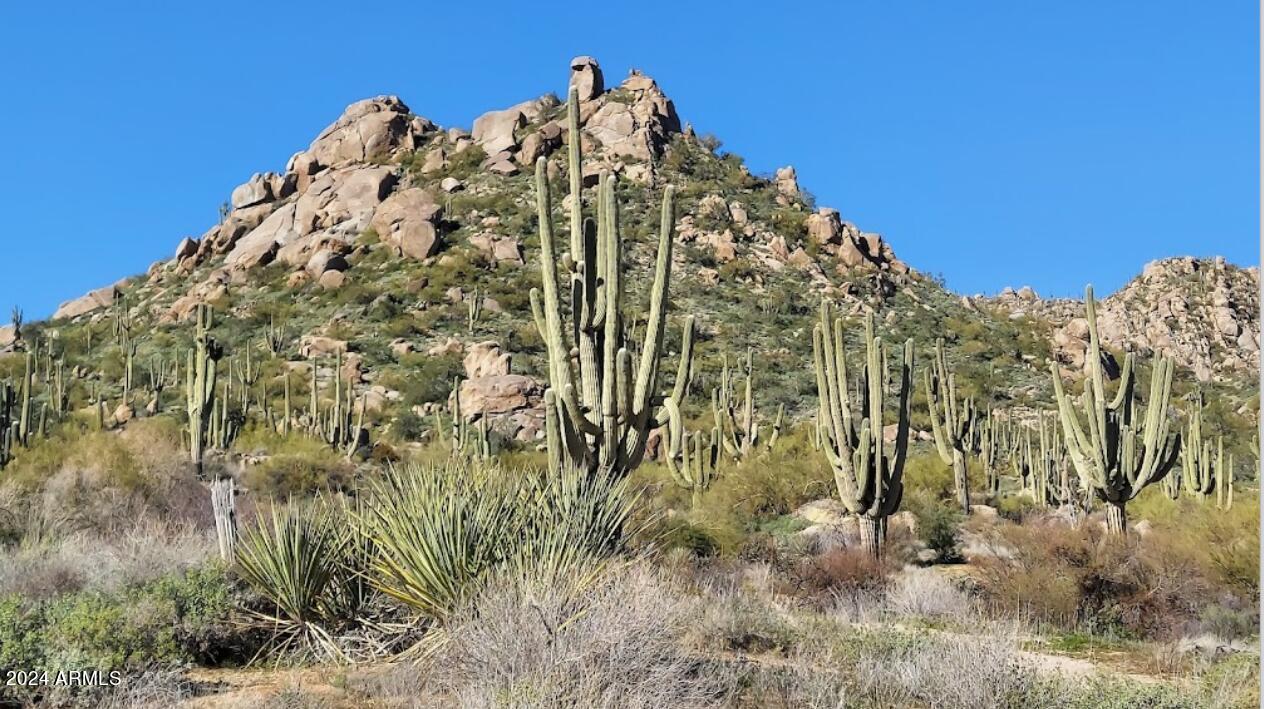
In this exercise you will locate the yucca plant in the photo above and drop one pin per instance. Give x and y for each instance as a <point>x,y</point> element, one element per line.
<point>441,530</point>
<point>294,556</point>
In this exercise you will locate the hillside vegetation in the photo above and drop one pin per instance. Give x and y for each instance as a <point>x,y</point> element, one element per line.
<point>719,447</point>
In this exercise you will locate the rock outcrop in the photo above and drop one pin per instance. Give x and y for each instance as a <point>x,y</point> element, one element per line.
<point>86,303</point>
<point>1204,313</point>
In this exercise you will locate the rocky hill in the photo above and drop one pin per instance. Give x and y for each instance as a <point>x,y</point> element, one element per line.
<point>409,248</point>
<point>1202,313</point>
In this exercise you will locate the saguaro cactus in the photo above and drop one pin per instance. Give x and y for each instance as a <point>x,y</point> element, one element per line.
<point>991,446</point>
<point>869,475</point>
<point>1118,448</point>
<point>740,432</point>
<point>604,414</point>
<point>951,421</point>
<point>24,420</point>
<point>1202,472</point>
<point>693,462</point>
<point>7,424</point>
<point>200,377</point>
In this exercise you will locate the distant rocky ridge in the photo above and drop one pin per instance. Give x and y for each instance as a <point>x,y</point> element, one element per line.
<point>1204,313</point>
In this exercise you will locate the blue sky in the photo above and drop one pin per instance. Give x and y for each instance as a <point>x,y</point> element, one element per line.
<point>996,143</point>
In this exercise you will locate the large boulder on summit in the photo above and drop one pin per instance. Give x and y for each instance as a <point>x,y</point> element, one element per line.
<point>497,131</point>
<point>787,181</point>
<point>586,78</point>
<point>638,128</point>
<point>93,300</point>
<point>367,129</point>
<point>408,221</point>
<point>824,226</point>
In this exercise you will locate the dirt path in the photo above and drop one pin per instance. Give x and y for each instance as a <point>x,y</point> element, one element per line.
<point>251,688</point>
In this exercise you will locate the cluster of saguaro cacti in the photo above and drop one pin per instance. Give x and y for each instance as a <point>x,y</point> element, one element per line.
<point>738,432</point>
<point>692,458</point>
<point>952,421</point>
<point>1118,447</point>
<point>201,373</point>
<point>991,445</point>
<point>868,473</point>
<point>1201,472</point>
<point>275,337</point>
<point>163,374</point>
<point>1051,482</point>
<point>600,411</point>
<point>333,423</point>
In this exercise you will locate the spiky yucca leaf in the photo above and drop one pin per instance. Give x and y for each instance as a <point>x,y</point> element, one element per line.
<point>579,521</point>
<point>440,529</point>
<point>292,556</point>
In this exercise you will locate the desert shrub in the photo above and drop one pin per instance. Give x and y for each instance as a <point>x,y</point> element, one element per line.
<point>168,622</point>
<point>751,493</point>
<point>927,594</point>
<point>80,561</point>
<point>948,671</point>
<point>840,572</point>
<point>740,620</point>
<point>430,378</point>
<point>670,533</point>
<point>105,481</point>
<point>927,475</point>
<point>408,426</point>
<point>617,642</point>
<point>938,525</point>
<point>1015,507</point>
<point>1083,579</point>
<point>301,466</point>
<point>1224,621</point>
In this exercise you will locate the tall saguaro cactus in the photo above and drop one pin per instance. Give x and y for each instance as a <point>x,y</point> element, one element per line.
<point>952,421</point>
<point>200,376</point>
<point>693,462</point>
<point>1202,472</point>
<point>604,413</point>
<point>739,432</point>
<point>869,475</point>
<point>24,420</point>
<point>1118,448</point>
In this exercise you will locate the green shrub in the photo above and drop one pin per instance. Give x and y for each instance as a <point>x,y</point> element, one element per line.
<point>939,527</point>
<point>168,622</point>
<point>303,467</point>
